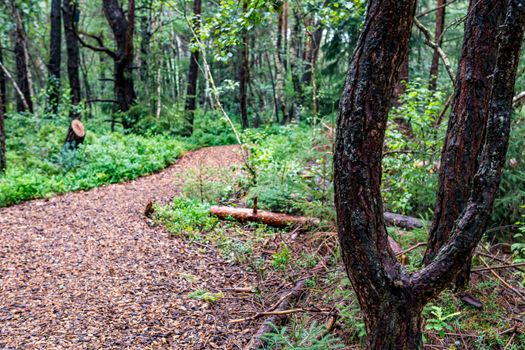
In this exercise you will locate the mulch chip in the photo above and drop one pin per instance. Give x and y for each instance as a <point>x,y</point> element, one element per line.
<point>86,271</point>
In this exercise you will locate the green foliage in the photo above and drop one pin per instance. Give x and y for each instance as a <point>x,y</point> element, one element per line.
<point>293,171</point>
<point>301,337</point>
<point>440,321</point>
<point>203,295</point>
<point>281,258</point>
<point>410,163</point>
<point>185,216</point>
<point>38,166</point>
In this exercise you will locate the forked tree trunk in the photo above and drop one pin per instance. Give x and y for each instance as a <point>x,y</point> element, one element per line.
<point>244,72</point>
<point>467,124</point>
<point>392,299</point>
<point>193,73</point>
<point>55,52</point>
<point>73,56</point>
<point>440,23</point>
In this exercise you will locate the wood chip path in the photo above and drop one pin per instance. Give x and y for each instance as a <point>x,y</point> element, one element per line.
<point>86,271</point>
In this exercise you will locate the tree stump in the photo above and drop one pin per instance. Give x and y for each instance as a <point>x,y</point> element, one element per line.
<point>75,135</point>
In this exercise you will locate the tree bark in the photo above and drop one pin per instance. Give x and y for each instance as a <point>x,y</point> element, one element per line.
<point>123,30</point>
<point>22,70</point>
<point>467,124</point>
<point>279,69</point>
<point>3,86</point>
<point>193,73</point>
<point>390,298</point>
<point>3,162</point>
<point>244,72</point>
<point>438,39</point>
<point>146,34</point>
<point>73,56</point>
<point>265,217</point>
<point>55,53</point>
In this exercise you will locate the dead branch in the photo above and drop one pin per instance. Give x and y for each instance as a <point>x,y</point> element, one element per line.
<point>430,42</point>
<point>17,88</point>
<point>505,283</point>
<point>280,309</point>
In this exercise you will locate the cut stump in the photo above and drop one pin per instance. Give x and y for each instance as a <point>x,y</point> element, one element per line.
<point>75,135</point>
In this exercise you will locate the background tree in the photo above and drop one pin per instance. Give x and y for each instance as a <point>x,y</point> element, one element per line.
<point>3,162</point>
<point>390,298</point>
<point>438,38</point>
<point>193,72</point>
<point>55,54</point>
<point>23,81</point>
<point>73,55</point>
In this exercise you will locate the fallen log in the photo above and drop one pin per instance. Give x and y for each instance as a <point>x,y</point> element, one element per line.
<point>266,217</point>
<point>283,220</point>
<point>406,222</point>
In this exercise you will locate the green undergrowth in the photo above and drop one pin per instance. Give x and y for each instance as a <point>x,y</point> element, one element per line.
<point>38,166</point>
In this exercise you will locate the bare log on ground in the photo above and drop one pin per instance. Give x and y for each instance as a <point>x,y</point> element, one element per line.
<point>75,135</point>
<point>265,217</point>
<point>406,222</point>
<point>284,220</point>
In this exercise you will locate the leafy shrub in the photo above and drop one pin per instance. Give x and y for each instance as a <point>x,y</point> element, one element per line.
<point>185,216</point>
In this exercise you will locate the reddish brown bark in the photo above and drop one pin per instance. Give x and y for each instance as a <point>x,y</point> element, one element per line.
<point>193,73</point>
<point>401,85</point>
<point>440,23</point>
<point>390,298</point>
<point>265,217</point>
<point>467,123</point>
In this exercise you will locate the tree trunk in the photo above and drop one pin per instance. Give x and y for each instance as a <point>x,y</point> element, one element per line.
<point>401,86</point>
<point>193,73</point>
<point>123,30</point>
<point>3,162</point>
<point>467,124</point>
<point>22,70</point>
<point>55,53</point>
<point>438,39</point>
<point>3,86</point>
<point>394,325</point>
<point>146,34</point>
<point>73,57</point>
<point>279,70</point>
<point>392,299</point>
<point>244,72</point>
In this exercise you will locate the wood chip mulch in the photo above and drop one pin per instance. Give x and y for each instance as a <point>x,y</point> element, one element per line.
<point>86,271</point>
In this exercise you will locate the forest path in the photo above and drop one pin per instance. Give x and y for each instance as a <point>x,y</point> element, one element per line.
<point>86,271</point>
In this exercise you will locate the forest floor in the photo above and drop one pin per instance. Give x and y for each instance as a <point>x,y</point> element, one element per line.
<point>87,270</point>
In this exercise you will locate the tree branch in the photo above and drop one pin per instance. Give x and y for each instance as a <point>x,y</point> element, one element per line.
<point>430,42</point>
